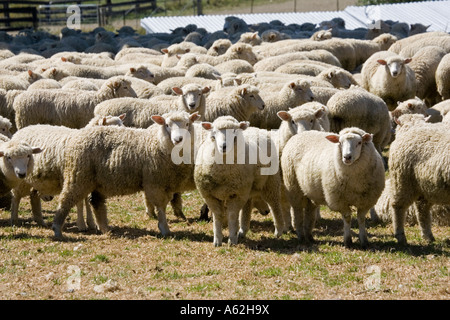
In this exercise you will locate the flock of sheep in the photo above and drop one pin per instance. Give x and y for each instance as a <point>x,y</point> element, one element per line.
<point>279,118</point>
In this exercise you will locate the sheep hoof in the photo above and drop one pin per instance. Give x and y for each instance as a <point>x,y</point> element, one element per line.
<point>348,242</point>
<point>180,215</point>
<point>58,234</point>
<point>241,234</point>
<point>401,239</point>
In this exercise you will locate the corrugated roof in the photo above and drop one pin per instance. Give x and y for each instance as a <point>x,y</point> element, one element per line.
<point>433,13</point>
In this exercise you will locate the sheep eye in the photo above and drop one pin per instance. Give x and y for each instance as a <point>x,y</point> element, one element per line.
<point>359,143</point>
<point>292,122</point>
<point>312,120</point>
<point>213,138</point>
<point>187,124</point>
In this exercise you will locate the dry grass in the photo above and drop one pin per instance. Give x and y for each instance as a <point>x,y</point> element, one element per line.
<point>143,265</point>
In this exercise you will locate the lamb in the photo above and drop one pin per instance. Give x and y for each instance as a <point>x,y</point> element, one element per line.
<point>356,107</point>
<point>227,186</point>
<point>291,95</point>
<point>64,108</point>
<point>45,178</point>
<point>381,213</point>
<point>418,178</point>
<point>424,64</point>
<point>16,163</point>
<point>107,161</point>
<point>443,77</point>
<point>325,168</point>
<point>190,98</point>
<point>388,76</point>
<point>219,47</point>
<point>239,102</point>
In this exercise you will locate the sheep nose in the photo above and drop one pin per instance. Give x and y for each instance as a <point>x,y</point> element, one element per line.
<point>311,99</point>
<point>21,175</point>
<point>192,105</point>
<point>347,158</point>
<point>178,139</point>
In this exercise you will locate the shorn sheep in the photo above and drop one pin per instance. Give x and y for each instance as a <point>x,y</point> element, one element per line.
<point>419,164</point>
<point>388,76</point>
<point>66,108</point>
<point>227,180</point>
<point>326,168</point>
<point>108,161</point>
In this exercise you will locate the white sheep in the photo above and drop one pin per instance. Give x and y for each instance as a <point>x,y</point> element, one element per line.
<point>325,168</point>
<point>225,184</point>
<point>108,161</point>
<point>251,38</point>
<point>443,77</point>
<point>291,95</point>
<point>388,76</point>
<point>419,165</point>
<point>402,43</point>
<point>424,64</point>
<point>65,108</point>
<point>5,127</point>
<point>239,102</point>
<point>16,163</point>
<point>356,107</point>
<point>190,98</point>
<point>219,47</point>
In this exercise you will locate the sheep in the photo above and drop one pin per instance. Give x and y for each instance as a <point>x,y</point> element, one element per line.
<point>219,47</point>
<point>356,107</point>
<point>323,94</point>
<point>415,106</point>
<point>227,185</point>
<point>291,95</point>
<point>272,63</point>
<point>381,213</point>
<point>236,66</point>
<point>45,84</point>
<point>80,84</point>
<point>251,38</point>
<point>442,77</point>
<point>238,50</point>
<point>5,127</point>
<point>170,53</point>
<point>16,163</point>
<point>322,35</point>
<point>419,167</point>
<point>272,35</point>
<point>202,70</point>
<point>402,43</point>
<point>141,72</point>
<point>442,107</point>
<point>20,82</point>
<point>239,102</point>
<point>66,108</point>
<point>138,159</point>
<point>388,76</point>
<point>45,178</point>
<point>167,84</point>
<point>326,168</point>
<point>424,64</point>
<point>411,49</point>
<point>190,98</point>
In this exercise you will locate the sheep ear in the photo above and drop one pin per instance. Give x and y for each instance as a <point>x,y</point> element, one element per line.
<point>187,50</point>
<point>333,138</point>
<point>63,59</point>
<point>207,125</point>
<point>319,113</point>
<point>284,115</point>
<point>237,82</point>
<point>36,150</point>
<point>382,62</point>
<point>206,90</point>
<point>159,120</point>
<point>243,91</point>
<point>292,85</point>
<point>255,35</point>
<point>244,125</point>
<point>165,50</point>
<point>104,121</point>
<point>216,48</point>
<point>407,60</point>
<point>30,73</point>
<point>330,74</point>
<point>132,70</point>
<point>410,106</point>
<point>177,90</point>
<point>397,121</point>
<point>2,154</point>
<point>367,138</point>
<point>122,116</point>
<point>194,117</point>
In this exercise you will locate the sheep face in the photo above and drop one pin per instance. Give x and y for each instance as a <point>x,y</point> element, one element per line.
<point>142,73</point>
<point>394,66</point>
<point>339,79</point>
<point>303,120</point>
<point>122,88</point>
<point>350,145</point>
<point>191,96</point>
<point>251,95</point>
<point>18,159</point>
<point>225,133</point>
<point>178,128</point>
<point>302,89</point>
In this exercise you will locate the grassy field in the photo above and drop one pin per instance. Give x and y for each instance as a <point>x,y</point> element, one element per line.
<point>134,262</point>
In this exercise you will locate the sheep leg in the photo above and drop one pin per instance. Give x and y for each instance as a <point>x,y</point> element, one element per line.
<point>398,222</point>
<point>347,218</point>
<point>286,210</point>
<point>17,195</point>
<point>233,208</point>
<point>159,199</point>
<point>309,220</point>
<point>81,225</point>
<point>361,216</point>
<point>424,219</point>
<point>177,206</point>
<point>36,208</point>
<point>149,208</point>
<point>244,218</point>
<point>98,202</point>
<point>89,217</point>
<point>217,211</point>
<point>271,194</point>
